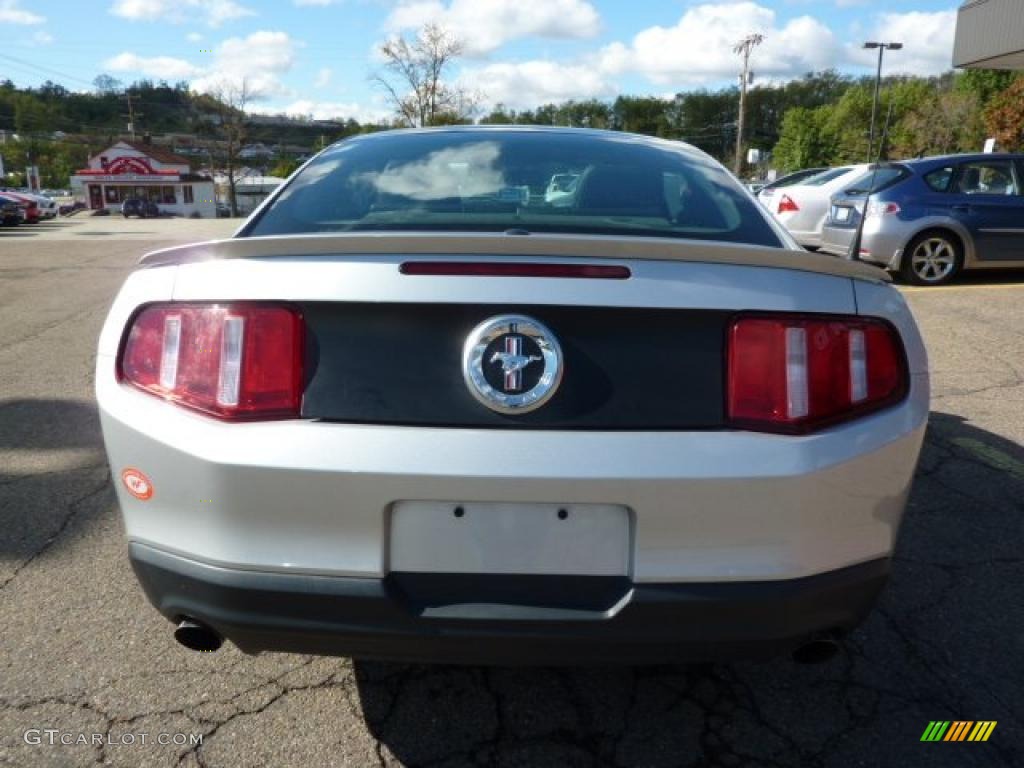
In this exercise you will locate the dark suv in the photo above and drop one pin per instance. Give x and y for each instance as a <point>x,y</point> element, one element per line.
<point>928,219</point>
<point>135,206</point>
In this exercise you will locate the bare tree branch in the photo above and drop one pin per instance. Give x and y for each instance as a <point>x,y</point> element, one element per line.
<point>231,99</point>
<point>416,87</point>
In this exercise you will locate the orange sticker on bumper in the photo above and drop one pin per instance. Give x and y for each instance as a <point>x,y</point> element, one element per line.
<point>137,483</point>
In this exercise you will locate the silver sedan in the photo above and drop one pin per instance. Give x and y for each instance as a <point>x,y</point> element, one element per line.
<point>415,409</point>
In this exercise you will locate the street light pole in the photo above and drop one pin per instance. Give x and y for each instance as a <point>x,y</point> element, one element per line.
<point>871,44</point>
<point>743,47</point>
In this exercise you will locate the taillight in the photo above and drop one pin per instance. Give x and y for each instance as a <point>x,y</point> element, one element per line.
<point>233,361</point>
<point>797,373</point>
<point>876,208</point>
<point>788,205</point>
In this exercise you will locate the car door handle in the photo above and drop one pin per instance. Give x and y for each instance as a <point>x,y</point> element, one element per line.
<point>961,208</point>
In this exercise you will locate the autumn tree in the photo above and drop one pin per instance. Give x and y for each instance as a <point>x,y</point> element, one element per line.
<point>414,78</point>
<point>1004,117</point>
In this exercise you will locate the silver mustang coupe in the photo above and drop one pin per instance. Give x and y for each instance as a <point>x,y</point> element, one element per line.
<point>421,408</point>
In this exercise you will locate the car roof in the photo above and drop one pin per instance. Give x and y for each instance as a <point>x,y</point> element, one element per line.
<point>960,158</point>
<point>592,133</point>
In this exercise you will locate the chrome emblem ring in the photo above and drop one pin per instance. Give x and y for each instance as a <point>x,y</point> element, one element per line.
<point>512,364</point>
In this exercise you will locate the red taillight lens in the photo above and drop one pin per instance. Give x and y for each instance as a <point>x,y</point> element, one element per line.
<point>796,373</point>
<point>234,361</point>
<point>788,205</point>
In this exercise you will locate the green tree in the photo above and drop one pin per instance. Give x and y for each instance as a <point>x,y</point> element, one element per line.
<point>641,114</point>
<point>284,167</point>
<point>986,84</point>
<point>806,139</point>
<point>500,115</point>
<point>946,122</point>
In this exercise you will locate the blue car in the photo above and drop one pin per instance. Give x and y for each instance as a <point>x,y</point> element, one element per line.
<point>929,219</point>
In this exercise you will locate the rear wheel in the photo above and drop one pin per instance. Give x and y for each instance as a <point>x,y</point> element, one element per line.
<point>932,258</point>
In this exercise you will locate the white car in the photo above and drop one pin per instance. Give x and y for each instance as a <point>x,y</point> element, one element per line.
<point>47,207</point>
<point>803,208</point>
<point>399,415</point>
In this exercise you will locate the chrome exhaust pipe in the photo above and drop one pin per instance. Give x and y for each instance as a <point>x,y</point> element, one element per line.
<point>196,636</point>
<point>817,650</point>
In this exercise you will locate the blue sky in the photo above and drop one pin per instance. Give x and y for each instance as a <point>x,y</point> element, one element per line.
<point>316,56</point>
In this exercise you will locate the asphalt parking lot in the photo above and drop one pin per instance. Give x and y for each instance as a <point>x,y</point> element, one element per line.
<point>82,652</point>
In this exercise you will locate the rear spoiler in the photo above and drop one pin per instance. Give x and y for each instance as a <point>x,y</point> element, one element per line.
<point>501,244</point>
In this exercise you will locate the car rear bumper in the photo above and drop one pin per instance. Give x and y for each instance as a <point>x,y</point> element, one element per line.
<point>703,506</point>
<point>473,619</point>
<point>878,245</point>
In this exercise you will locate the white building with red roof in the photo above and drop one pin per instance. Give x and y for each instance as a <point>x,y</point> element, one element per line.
<point>132,169</point>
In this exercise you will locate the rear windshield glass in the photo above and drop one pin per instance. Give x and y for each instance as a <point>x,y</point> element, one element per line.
<point>825,177</point>
<point>875,181</point>
<point>494,181</point>
<point>793,179</point>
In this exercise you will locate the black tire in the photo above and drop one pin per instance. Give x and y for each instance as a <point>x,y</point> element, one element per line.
<point>934,257</point>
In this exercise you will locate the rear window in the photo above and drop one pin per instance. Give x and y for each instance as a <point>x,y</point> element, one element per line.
<point>941,179</point>
<point>825,177</point>
<point>877,180</point>
<point>793,179</point>
<point>494,181</point>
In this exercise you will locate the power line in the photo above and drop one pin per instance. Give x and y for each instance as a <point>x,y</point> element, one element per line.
<point>40,68</point>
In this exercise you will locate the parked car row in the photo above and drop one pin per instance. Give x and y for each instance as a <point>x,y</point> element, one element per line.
<point>29,206</point>
<point>925,219</point>
<point>35,207</point>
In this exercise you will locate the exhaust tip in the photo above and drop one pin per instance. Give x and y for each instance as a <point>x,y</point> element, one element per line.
<point>817,650</point>
<point>197,637</point>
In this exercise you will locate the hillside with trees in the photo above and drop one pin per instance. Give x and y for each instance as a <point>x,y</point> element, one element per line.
<point>821,118</point>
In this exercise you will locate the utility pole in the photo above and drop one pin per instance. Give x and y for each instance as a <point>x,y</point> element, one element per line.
<point>882,47</point>
<point>743,48</point>
<point>131,115</point>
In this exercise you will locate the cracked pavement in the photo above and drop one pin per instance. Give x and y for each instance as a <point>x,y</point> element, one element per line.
<point>83,652</point>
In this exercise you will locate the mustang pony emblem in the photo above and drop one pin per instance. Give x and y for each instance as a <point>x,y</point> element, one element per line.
<point>517,344</point>
<point>513,361</point>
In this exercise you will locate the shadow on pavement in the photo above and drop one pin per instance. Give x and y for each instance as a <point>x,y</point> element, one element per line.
<point>48,424</point>
<point>52,467</point>
<point>981,277</point>
<point>942,643</point>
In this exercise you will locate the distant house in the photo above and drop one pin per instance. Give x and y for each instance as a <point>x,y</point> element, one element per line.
<point>131,169</point>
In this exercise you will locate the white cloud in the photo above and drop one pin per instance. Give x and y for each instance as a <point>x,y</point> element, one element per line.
<point>529,83</point>
<point>320,3</point>
<point>259,59</point>
<point>328,110</point>
<point>485,25</point>
<point>323,77</point>
<point>927,42</point>
<point>194,37</point>
<point>11,12</point>
<point>163,67</point>
<point>42,37</point>
<point>699,48</point>
<point>212,12</point>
